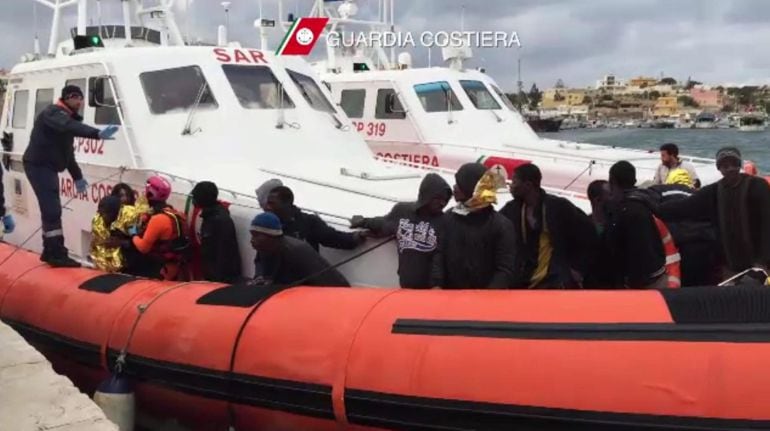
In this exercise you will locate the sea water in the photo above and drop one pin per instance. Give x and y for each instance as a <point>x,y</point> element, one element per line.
<point>754,146</point>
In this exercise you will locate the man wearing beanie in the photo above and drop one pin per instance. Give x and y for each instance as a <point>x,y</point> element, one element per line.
<point>49,152</point>
<point>287,261</point>
<point>738,206</point>
<point>477,251</point>
<point>220,257</point>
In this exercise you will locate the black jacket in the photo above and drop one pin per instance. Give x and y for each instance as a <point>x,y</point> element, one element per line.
<point>739,252</point>
<point>296,261</point>
<point>683,231</point>
<point>417,241</point>
<point>51,142</point>
<point>477,251</point>
<point>315,231</point>
<point>220,257</point>
<point>634,242</point>
<point>573,241</point>
<point>417,237</point>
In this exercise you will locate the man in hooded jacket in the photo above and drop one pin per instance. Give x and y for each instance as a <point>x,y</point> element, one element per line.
<point>418,229</point>
<point>220,257</point>
<point>478,244</point>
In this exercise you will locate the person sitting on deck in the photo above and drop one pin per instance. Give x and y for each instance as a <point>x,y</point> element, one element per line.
<point>286,260</point>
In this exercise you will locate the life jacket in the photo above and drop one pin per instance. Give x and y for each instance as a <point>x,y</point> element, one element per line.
<point>673,259</point>
<point>176,249</point>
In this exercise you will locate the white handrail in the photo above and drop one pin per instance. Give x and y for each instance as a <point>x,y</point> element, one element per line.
<point>445,171</point>
<point>235,194</point>
<point>546,153</point>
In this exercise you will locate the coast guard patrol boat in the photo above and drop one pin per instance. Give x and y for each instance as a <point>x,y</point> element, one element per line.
<point>447,116</point>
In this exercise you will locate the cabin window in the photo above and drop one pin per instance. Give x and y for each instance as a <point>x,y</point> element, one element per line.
<point>256,87</point>
<point>479,95</point>
<point>43,99</point>
<point>177,90</point>
<point>352,102</point>
<point>81,84</point>
<point>388,105</point>
<point>312,92</point>
<point>437,97</point>
<point>104,104</point>
<point>20,106</point>
<point>506,101</point>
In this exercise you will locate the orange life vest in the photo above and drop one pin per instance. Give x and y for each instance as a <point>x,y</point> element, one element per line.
<point>673,259</point>
<point>176,248</point>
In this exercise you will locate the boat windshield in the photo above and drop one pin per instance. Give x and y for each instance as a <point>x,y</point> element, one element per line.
<point>437,97</point>
<point>752,121</point>
<point>256,87</point>
<point>506,101</point>
<point>177,90</point>
<point>311,92</point>
<point>479,95</point>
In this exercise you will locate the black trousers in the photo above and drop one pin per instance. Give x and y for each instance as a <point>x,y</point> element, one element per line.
<point>45,184</point>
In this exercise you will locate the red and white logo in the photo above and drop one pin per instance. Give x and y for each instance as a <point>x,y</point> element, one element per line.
<point>302,36</point>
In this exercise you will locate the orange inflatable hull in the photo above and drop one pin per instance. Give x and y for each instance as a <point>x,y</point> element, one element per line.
<point>213,356</point>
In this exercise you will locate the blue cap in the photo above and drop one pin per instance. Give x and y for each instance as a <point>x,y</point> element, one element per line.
<point>268,224</point>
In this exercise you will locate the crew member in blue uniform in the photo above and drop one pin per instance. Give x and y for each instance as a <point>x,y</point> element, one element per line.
<point>51,151</point>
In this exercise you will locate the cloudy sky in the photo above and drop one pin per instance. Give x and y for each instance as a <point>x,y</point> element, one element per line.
<point>715,41</point>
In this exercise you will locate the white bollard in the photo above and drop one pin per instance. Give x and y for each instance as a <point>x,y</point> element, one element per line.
<point>116,398</point>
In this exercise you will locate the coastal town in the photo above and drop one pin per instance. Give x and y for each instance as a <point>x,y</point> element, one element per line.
<point>663,102</point>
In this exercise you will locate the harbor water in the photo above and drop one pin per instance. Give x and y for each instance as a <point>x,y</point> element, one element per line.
<point>754,146</point>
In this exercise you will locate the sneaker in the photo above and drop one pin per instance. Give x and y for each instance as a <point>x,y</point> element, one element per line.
<point>63,262</point>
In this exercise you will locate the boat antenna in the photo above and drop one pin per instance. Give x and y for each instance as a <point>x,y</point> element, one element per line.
<point>99,16</point>
<point>392,30</point>
<point>226,6</point>
<point>462,19</point>
<point>37,39</point>
<point>187,22</point>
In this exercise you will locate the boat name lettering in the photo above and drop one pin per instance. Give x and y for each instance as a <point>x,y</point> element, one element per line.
<point>371,128</point>
<point>95,194</point>
<point>418,159</point>
<point>249,56</point>
<point>89,146</point>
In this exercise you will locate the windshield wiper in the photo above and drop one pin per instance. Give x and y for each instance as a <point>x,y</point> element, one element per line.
<point>188,126</point>
<point>281,112</point>
<point>447,94</point>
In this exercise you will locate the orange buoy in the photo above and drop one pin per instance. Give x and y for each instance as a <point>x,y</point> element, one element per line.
<point>214,356</point>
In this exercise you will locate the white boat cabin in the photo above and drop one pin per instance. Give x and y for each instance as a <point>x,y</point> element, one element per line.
<point>233,115</point>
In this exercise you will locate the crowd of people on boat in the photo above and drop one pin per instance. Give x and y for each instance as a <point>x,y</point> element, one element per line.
<point>663,233</point>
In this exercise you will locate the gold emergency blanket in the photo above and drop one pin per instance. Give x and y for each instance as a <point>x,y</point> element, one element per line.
<point>110,259</point>
<point>485,193</point>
